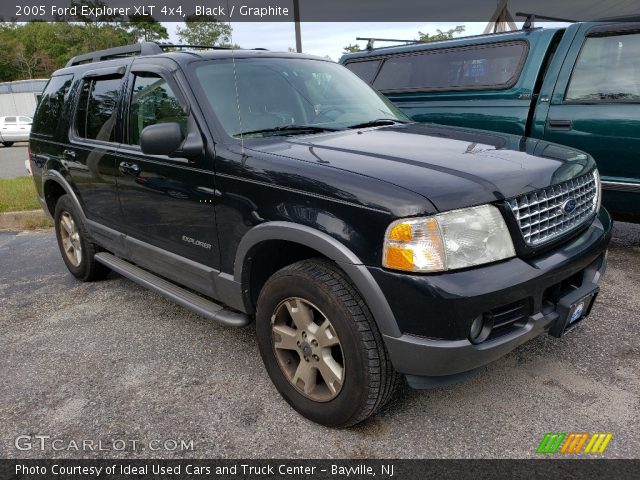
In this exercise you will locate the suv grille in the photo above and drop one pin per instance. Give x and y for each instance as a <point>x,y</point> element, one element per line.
<point>549,213</point>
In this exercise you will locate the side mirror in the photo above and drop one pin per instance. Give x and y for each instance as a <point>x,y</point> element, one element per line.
<point>167,139</point>
<point>161,139</point>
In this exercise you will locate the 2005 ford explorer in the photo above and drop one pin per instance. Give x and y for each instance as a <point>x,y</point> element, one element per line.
<point>280,187</point>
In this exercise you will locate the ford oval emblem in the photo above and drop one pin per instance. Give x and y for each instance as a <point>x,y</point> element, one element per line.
<point>569,206</point>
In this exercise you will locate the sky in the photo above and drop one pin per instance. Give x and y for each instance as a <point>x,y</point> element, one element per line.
<point>328,38</point>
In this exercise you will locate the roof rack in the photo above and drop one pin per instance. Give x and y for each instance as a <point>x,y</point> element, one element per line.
<point>530,19</point>
<point>136,49</point>
<point>370,41</point>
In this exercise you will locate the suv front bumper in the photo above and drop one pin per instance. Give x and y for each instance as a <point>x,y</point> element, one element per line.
<point>435,312</point>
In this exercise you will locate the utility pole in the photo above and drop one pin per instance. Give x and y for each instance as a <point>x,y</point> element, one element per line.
<point>296,19</point>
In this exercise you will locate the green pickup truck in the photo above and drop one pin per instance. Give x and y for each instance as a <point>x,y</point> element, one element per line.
<point>578,86</point>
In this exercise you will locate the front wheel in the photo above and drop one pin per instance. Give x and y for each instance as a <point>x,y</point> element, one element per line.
<point>7,144</point>
<point>321,346</point>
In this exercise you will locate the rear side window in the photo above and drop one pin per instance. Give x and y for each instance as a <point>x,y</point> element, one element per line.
<point>607,70</point>
<point>366,70</point>
<point>10,120</point>
<point>97,108</point>
<point>489,66</point>
<point>51,105</point>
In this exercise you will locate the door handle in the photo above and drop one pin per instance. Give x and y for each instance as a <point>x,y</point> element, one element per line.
<point>69,155</point>
<point>127,168</point>
<point>560,124</point>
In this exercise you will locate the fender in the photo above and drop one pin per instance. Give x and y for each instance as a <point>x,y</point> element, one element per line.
<point>330,248</point>
<point>55,176</point>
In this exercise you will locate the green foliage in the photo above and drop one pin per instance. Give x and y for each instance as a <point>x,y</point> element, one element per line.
<point>36,49</point>
<point>146,28</point>
<point>205,30</point>
<point>351,48</point>
<point>440,35</point>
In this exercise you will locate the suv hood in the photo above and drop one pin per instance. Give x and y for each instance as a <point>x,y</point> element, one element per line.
<point>452,167</point>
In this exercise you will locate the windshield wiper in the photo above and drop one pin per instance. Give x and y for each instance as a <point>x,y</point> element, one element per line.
<point>377,122</point>
<point>290,129</point>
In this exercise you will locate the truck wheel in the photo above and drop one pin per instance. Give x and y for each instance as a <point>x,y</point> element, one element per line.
<point>75,246</point>
<point>321,346</point>
<point>7,144</point>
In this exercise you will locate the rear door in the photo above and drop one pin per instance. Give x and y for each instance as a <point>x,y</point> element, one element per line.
<point>595,108</point>
<point>89,157</point>
<point>167,202</point>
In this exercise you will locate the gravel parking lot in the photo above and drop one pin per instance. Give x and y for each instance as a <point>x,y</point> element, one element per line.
<point>112,361</point>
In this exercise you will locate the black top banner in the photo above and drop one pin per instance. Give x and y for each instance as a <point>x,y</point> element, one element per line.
<point>319,469</point>
<point>312,10</point>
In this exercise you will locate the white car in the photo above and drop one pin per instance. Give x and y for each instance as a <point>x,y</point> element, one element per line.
<point>14,129</point>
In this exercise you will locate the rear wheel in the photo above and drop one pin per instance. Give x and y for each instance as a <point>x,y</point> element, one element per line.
<point>7,144</point>
<point>321,346</point>
<point>75,245</point>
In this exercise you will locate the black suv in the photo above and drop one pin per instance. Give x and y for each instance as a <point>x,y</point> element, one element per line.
<point>284,189</point>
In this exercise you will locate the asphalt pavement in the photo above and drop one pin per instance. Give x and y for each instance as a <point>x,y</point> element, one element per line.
<point>113,362</point>
<point>12,160</point>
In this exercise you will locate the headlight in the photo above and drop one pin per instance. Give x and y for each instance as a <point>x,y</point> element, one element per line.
<point>456,239</point>
<point>598,198</point>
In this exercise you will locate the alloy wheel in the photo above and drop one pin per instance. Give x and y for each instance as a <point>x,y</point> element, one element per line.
<point>70,239</point>
<point>308,349</point>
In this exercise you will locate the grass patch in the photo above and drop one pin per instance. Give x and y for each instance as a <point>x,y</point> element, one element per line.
<point>17,194</point>
<point>36,223</point>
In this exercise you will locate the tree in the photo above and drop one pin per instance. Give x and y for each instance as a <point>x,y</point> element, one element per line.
<point>146,28</point>
<point>36,49</point>
<point>205,30</point>
<point>440,35</point>
<point>351,48</point>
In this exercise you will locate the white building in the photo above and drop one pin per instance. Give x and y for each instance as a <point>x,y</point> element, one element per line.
<point>20,97</point>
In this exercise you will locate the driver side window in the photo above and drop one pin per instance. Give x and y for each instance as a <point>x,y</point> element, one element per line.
<point>152,102</point>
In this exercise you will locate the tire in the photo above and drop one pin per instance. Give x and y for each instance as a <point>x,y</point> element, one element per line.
<point>75,245</point>
<point>339,315</point>
<point>7,144</point>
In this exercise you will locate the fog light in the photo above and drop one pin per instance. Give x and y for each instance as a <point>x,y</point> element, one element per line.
<point>481,328</point>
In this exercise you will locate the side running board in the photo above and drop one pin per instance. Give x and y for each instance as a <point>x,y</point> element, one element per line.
<point>184,297</point>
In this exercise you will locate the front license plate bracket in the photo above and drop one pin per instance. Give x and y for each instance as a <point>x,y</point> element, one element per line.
<point>572,308</point>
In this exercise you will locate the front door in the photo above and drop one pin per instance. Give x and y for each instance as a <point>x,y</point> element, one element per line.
<point>167,203</point>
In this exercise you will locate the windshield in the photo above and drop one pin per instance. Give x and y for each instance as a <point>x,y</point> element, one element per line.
<point>284,96</point>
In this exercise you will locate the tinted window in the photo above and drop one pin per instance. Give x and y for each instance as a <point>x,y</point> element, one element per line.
<point>608,69</point>
<point>153,102</point>
<point>51,105</point>
<point>11,120</point>
<point>96,114</point>
<point>482,66</point>
<point>365,70</point>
